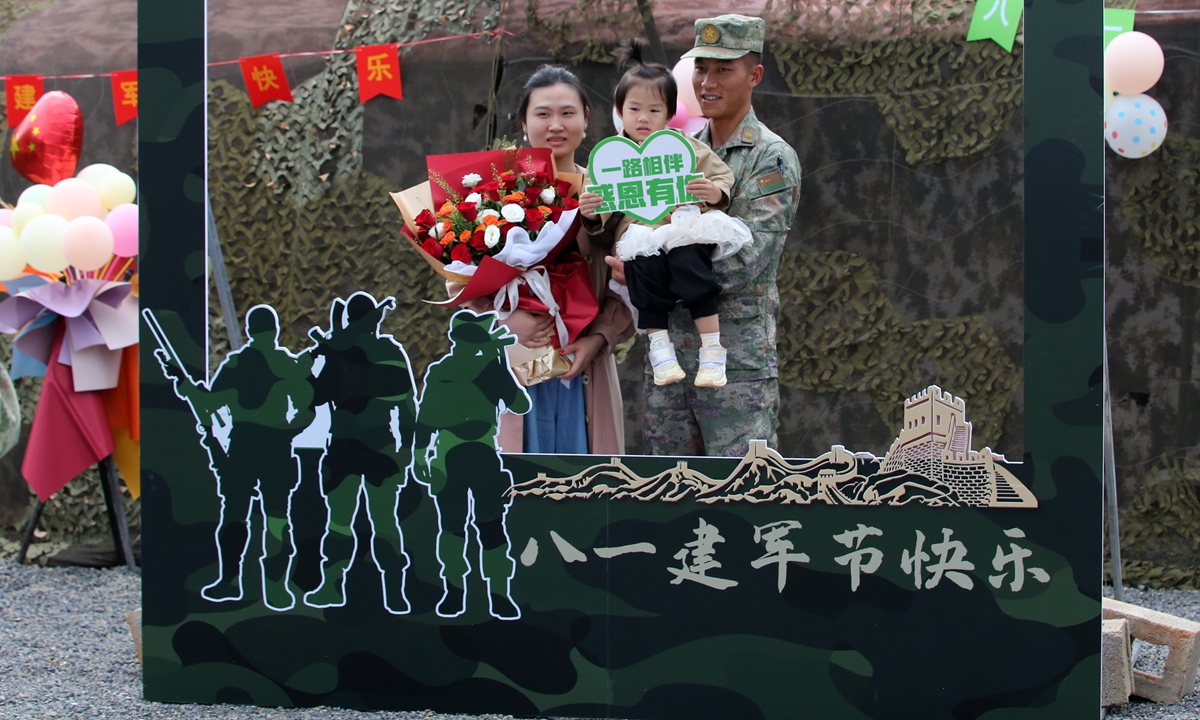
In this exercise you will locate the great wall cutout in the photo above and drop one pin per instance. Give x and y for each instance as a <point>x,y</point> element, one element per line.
<point>930,463</point>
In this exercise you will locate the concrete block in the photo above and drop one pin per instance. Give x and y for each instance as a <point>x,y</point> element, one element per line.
<point>1182,638</point>
<point>1116,663</point>
<point>135,627</point>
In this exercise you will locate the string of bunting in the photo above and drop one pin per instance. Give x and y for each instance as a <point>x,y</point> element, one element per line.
<point>378,69</point>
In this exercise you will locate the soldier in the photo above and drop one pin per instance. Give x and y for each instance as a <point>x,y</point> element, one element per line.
<point>366,380</point>
<point>254,406</point>
<point>682,419</point>
<point>465,392</point>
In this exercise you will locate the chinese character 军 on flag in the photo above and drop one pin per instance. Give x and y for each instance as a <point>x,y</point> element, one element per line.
<point>378,71</point>
<point>265,79</point>
<point>125,95</point>
<point>21,92</point>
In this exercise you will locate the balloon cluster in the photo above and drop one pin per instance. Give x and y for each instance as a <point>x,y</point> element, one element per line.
<point>1135,125</point>
<point>80,222</point>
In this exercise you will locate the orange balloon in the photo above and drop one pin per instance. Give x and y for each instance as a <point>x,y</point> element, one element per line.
<point>1133,62</point>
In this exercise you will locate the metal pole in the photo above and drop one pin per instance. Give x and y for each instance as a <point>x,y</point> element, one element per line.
<point>221,278</point>
<point>115,505</point>
<point>1110,489</point>
<point>28,539</point>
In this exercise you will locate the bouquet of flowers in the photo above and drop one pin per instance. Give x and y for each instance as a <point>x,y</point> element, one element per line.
<point>497,223</point>
<point>507,213</point>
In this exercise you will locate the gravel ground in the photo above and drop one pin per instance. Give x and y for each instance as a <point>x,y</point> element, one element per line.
<point>66,651</point>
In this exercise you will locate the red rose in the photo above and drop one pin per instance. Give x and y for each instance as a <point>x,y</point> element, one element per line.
<point>563,187</point>
<point>508,180</point>
<point>531,198</point>
<point>492,188</point>
<point>433,247</point>
<point>570,203</point>
<point>426,219</point>
<point>477,240</point>
<point>461,253</point>
<point>468,211</point>
<point>555,213</point>
<point>533,219</point>
<point>542,179</point>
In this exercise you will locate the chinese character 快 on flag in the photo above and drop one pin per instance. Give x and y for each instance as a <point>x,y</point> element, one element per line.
<point>21,92</point>
<point>125,95</point>
<point>378,71</point>
<point>265,79</point>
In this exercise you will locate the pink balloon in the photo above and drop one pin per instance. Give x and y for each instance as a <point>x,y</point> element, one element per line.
<point>123,222</point>
<point>6,217</point>
<point>87,243</point>
<point>1133,62</point>
<point>681,116</point>
<point>72,198</point>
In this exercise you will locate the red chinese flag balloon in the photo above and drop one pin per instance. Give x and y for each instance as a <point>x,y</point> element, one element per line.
<point>45,147</point>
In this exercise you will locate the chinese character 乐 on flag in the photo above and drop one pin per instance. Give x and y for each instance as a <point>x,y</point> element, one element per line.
<point>378,71</point>
<point>265,79</point>
<point>125,95</point>
<point>21,92</point>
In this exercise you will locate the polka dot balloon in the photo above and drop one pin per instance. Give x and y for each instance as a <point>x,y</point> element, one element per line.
<point>1134,125</point>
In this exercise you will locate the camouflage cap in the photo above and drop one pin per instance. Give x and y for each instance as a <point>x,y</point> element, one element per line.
<point>727,37</point>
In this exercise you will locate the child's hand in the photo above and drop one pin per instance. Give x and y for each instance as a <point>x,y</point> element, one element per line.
<point>588,202</point>
<point>704,189</point>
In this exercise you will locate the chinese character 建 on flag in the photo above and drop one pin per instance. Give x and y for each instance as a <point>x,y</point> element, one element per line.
<point>125,95</point>
<point>21,92</point>
<point>378,71</point>
<point>265,79</point>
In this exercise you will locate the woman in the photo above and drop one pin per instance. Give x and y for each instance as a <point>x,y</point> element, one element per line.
<point>587,416</point>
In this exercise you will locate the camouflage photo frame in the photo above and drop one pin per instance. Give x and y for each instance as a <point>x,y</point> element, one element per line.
<point>937,580</point>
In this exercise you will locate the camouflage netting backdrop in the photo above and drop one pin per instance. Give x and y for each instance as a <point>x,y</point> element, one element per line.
<point>903,267</point>
<point>1153,302</point>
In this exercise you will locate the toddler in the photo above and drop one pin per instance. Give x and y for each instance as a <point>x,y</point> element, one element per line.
<point>672,260</point>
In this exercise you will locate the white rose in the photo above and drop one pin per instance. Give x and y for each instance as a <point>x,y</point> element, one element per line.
<point>491,236</point>
<point>471,180</point>
<point>547,196</point>
<point>513,213</point>
<point>436,232</point>
<point>486,213</point>
<point>473,198</point>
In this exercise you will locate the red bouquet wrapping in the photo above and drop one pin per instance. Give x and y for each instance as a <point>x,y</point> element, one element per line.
<point>497,223</point>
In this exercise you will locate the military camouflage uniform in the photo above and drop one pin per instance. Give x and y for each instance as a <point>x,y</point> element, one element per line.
<point>264,392</point>
<point>465,392</point>
<point>368,383</point>
<point>682,419</point>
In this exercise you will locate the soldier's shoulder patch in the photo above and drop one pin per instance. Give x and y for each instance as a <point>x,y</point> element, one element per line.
<point>772,182</point>
<point>748,135</point>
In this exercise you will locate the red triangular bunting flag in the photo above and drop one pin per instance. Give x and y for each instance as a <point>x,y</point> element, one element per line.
<point>20,93</point>
<point>125,95</point>
<point>265,79</point>
<point>378,71</point>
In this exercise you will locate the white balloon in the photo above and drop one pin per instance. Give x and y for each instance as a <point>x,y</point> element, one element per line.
<point>41,243</point>
<point>620,126</point>
<point>25,212</point>
<point>1135,125</point>
<point>12,262</point>
<point>35,193</point>
<point>93,174</point>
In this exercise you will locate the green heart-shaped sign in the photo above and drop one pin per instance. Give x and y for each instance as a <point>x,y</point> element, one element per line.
<point>643,181</point>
